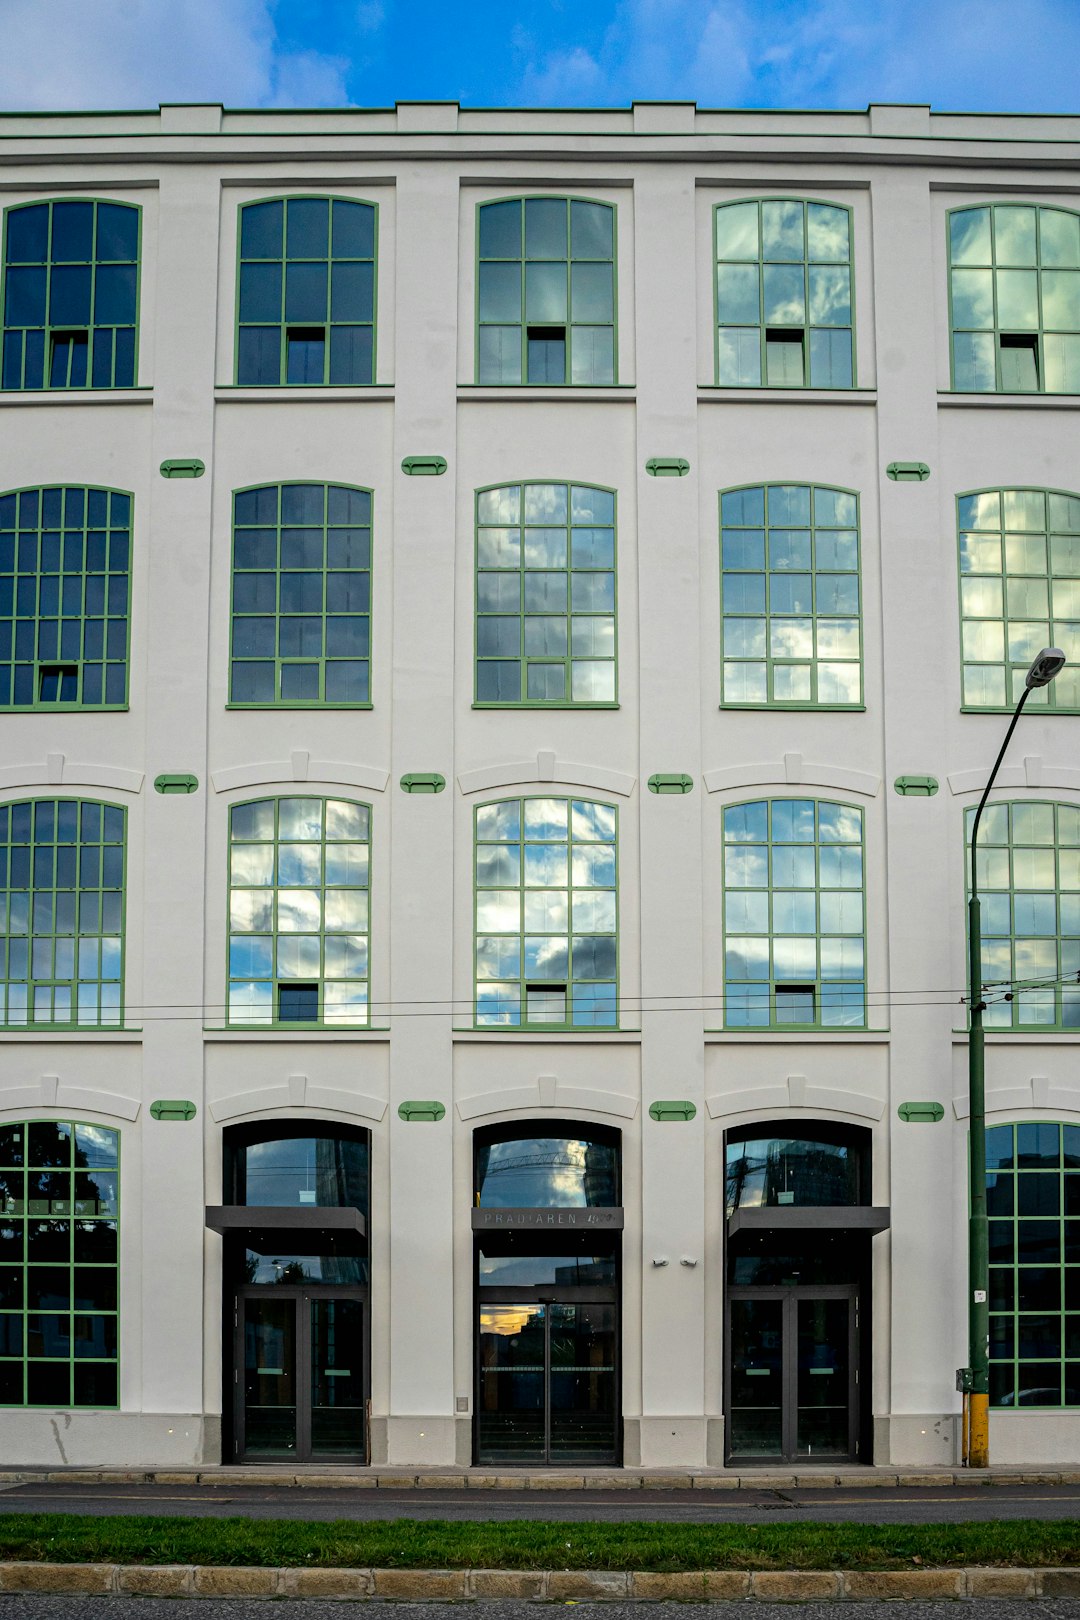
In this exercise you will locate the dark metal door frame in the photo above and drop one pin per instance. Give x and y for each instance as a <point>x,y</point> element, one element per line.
<point>569,1294</point>
<point>301,1296</point>
<point>790,1299</point>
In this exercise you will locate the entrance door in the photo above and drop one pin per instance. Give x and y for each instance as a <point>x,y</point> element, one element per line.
<point>300,1375</point>
<point>793,1379</point>
<point>547,1381</point>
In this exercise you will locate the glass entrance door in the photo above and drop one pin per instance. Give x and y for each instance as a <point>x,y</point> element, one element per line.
<point>792,1374</point>
<point>547,1381</point>
<point>301,1381</point>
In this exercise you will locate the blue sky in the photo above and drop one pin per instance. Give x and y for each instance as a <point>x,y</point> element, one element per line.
<point>975,55</point>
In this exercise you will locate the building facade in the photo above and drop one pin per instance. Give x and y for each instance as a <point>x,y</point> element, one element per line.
<point>478,590</point>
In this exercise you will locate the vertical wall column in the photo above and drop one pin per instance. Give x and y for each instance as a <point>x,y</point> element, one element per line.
<point>669,587</point>
<point>173,540</point>
<point>920,657</point>
<point>420,1426</point>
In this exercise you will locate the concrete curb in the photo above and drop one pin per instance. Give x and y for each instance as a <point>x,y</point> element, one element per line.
<point>556,1479</point>
<point>578,1585</point>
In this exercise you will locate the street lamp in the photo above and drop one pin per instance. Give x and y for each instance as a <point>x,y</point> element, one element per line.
<point>975,1378</point>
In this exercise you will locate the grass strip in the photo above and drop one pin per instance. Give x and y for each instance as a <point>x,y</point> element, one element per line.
<point>524,1544</point>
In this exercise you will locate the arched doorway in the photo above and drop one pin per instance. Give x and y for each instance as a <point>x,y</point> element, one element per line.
<point>296,1303</point>
<point>547,1222</point>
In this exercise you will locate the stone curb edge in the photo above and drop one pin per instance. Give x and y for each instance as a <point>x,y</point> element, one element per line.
<point>206,1580</point>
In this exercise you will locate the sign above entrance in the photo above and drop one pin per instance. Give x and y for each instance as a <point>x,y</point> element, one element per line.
<point>536,1220</point>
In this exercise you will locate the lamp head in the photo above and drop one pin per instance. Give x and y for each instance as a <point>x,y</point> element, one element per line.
<point>1044,666</point>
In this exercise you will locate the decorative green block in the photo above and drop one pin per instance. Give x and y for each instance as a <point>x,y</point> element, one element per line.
<point>424,466</point>
<point>907,472</point>
<point>176,782</point>
<point>421,1112</point>
<point>667,467</point>
<point>192,468</point>
<point>916,787</point>
<point>173,1110</point>
<point>423,782</point>
<point>921,1113</point>
<point>666,1113</point>
<point>671,782</point>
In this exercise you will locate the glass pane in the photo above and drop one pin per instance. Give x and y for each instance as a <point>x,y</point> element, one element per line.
<point>510,1416</point>
<point>546,1173</point>
<point>822,1418</point>
<point>756,1402</point>
<point>326,1172</point>
<point>583,1382</point>
<point>773,1171</point>
<point>337,1379</point>
<point>269,1377</point>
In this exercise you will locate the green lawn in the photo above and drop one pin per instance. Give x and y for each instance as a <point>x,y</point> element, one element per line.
<point>436,1544</point>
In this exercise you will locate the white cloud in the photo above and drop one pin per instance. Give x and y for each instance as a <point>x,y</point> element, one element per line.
<point>58,54</point>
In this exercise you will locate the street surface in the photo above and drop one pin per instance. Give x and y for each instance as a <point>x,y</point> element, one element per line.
<point>945,1504</point>
<point>135,1608</point>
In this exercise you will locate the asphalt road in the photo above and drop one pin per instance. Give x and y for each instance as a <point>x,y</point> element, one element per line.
<point>867,1505</point>
<point>117,1608</point>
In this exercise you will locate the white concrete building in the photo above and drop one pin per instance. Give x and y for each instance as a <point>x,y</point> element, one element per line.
<point>391,499</point>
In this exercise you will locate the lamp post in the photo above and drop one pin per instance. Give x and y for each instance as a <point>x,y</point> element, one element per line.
<point>976,1376</point>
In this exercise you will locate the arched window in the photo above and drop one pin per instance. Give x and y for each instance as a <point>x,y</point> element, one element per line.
<point>307,292</point>
<point>1014,297</point>
<point>65,593</point>
<point>549,1165</point>
<point>545,595</point>
<point>794,918</point>
<point>298,912</point>
<point>784,294</point>
<point>71,294</point>
<point>59,1214</point>
<point>1019,592</point>
<point>297,1164</point>
<point>546,914</point>
<point>790,597</point>
<point>545,299</point>
<point>1029,894</point>
<point>301,596</point>
<point>796,1163</point>
<point>1033,1201</point>
<point>62,903</point>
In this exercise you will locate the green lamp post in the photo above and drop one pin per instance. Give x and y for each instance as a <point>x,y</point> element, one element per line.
<point>975,1378</point>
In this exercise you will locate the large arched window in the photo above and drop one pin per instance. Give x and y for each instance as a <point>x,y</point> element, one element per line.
<point>65,592</point>
<point>1029,894</point>
<point>790,597</point>
<point>794,919</point>
<point>71,293</point>
<point>301,596</point>
<point>545,595</point>
<point>797,1163</point>
<point>549,1165</point>
<point>545,299</point>
<point>1019,592</point>
<point>1014,297</point>
<point>62,911</point>
<point>59,1213</point>
<point>1033,1201</point>
<point>307,292</point>
<point>546,914</point>
<point>298,912</point>
<point>784,294</point>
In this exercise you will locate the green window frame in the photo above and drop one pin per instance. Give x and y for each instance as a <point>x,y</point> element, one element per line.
<point>1029,912</point>
<point>546,919</point>
<point>301,597</point>
<point>1019,592</point>
<point>546,292</point>
<point>794,915</point>
<point>546,596</point>
<point>62,887</point>
<point>791,622</point>
<point>1014,299</point>
<point>65,597</point>
<point>59,1264</point>
<point>785,294</point>
<point>299,888</point>
<point>306,292</point>
<point>71,294</point>
<point>1033,1204</point>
